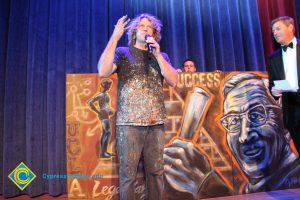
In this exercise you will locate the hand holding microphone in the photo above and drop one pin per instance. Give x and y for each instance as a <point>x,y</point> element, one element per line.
<point>151,43</point>
<point>148,44</point>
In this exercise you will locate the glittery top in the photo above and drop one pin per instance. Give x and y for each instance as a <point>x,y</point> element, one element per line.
<point>140,91</point>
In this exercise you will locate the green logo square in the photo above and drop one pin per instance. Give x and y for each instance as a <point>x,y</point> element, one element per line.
<point>21,176</point>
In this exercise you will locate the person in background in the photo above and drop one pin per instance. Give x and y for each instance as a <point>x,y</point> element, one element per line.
<point>188,66</point>
<point>284,64</point>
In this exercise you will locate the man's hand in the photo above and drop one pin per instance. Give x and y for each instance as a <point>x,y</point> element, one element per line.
<point>276,92</point>
<point>120,27</point>
<point>155,46</point>
<point>185,167</point>
<point>105,65</point>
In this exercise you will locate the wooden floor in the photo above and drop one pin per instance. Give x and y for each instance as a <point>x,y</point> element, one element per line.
<point>42,197</point>
<point>292,194</point>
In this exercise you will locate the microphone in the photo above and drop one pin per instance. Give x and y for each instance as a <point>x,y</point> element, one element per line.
<point>148,44</point>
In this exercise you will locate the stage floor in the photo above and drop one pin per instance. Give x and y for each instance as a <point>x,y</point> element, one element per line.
<point>291,194</point>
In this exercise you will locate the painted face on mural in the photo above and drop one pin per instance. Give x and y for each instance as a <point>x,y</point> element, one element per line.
<point>106,84</point>
<point>254,135</point>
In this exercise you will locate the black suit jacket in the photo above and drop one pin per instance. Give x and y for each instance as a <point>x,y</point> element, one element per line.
<point>276,72</point>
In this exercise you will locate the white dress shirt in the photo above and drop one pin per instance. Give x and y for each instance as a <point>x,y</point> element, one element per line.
<point>290,65</point>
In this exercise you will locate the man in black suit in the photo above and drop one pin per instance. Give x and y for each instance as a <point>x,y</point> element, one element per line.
<point>284,64</point>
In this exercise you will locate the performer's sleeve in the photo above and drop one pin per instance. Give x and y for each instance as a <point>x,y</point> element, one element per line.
<point>117,58</point>
<point>166,57</point>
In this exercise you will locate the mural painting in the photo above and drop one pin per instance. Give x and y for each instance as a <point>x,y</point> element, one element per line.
<point>224,136</point>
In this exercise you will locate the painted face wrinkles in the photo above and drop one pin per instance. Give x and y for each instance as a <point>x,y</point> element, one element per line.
<point>253,138</point>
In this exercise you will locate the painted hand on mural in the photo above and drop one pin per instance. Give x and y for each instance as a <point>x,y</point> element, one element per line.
<point>186,167</point>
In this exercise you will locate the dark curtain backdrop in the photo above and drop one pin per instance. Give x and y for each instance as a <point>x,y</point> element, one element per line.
<point>43,40</point>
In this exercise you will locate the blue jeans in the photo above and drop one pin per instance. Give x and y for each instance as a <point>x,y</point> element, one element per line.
<point>133,142</point>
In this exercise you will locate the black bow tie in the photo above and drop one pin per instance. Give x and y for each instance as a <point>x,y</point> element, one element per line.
<point>286,46</point>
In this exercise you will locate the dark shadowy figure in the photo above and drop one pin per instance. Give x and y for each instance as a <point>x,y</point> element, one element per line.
<point>105,112</point>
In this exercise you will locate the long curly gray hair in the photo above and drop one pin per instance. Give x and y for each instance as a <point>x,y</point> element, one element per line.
<point>156,23</point>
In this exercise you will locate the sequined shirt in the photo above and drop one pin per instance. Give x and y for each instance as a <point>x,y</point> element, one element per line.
<point>140,88</point>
